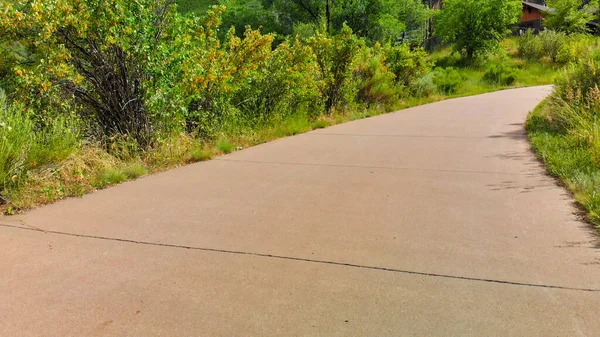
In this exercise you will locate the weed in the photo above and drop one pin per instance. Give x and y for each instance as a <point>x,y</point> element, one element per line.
<point>224,145</point>
<point>200,155</point>
<point>134,171</point>
<point>321,124</point>
<point>111,177</point>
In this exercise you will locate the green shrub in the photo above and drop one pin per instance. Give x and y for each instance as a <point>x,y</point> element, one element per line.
<point>285,84</point>
<point>552,42</point>
<point>134,171</point>
<point>424,87</point>
<point>305,29</point>
<point>216,70</point>
<point>85,58</point>
<point>476,26</point>
<point>200,155</point>
<point>529,46</point>
<point>569,16</point>
<point>15,130</point>
<point>408,65</point>
<point>577,47</point>
<point>375,81</point>
<point>500,73</point>
<point>579,82</point>
<point>111,177</point>
<point>447,80</point>
<point>224,145</point>
<point>335,56</point>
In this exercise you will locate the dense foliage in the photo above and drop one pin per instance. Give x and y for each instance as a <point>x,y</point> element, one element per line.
<point>556,47</point>
<point>130,75</point>
<point>374,20</point>
<point>569,16</point>
<point>476,26</point>
<point>95,93</point>
<point>564,129</point>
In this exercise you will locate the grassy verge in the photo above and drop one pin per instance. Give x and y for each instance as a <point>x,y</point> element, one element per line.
<point>567,157</point>
<point>90,168</point>
<point>527,73</point>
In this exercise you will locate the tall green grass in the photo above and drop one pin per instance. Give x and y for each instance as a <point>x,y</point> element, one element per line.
<point>565,133</point>
<point>567,156</point>
<point>25,145</point>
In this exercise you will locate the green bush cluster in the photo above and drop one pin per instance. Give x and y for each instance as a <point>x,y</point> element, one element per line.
<point>476,26</point>
<point>447,80</point>
<point>408,65</point>
<point>556,46</point>
<point>132,75</point>
<point>548,43</point>
<point>424,86</point>
<point>552,43</point>
<point>577,47</point>
<point>500,73</point>
<point>529,45</point>
<point>375,81</point>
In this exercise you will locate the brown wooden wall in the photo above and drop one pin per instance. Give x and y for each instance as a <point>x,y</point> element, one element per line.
<point>530,14</point>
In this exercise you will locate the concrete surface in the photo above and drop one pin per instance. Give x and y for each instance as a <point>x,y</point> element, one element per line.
<point>432,221</point>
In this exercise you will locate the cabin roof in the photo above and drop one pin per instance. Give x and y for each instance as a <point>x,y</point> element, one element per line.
<point>536,6</point>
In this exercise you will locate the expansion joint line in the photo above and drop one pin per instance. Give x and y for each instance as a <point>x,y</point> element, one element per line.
<point>299,259</point>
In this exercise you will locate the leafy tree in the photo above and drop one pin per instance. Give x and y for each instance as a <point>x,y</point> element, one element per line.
<point>212,71</point>
<point>402,16</point>
<point>100,55</point>
<point>257,14</point>
<point>360,15</point>
<point>408,65</point>
<point>376,20</point>
<point>379,20</point>
<point>334,56</point>
<point>477,25</point>
<point>569,16</point>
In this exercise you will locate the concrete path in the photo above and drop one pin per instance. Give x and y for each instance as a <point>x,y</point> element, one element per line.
<point>432,221</point>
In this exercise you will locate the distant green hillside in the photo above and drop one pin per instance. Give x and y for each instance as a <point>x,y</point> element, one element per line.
<point>197,6</point>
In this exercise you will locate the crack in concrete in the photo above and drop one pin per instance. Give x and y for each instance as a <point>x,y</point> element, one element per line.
<point>291,258</point>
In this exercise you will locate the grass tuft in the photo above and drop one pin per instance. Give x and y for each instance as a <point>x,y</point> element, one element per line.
<point>112,177</point>
<point>224,145</point>
<point>134,171</point>
<point>200,155</point>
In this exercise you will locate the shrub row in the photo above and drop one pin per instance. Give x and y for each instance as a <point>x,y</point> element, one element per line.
<point>556,46</point>
<point>140,72</point>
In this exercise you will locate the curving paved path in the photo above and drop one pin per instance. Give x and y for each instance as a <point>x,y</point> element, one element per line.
<point>432,221</point>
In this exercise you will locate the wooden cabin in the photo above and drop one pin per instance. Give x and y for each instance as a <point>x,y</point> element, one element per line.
<point>532,16</point>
